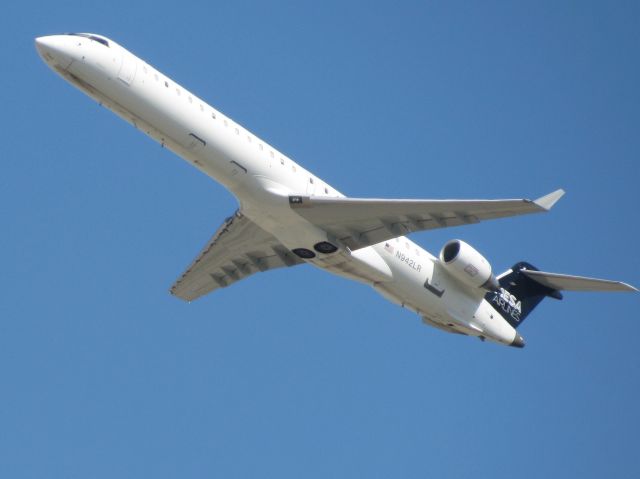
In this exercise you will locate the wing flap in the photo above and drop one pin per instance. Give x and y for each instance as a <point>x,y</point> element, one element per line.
<point>360,222</point>
<point>565,282</point>
<point>236,251</point>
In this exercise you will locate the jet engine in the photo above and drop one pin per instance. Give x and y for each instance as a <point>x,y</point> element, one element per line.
<point>465,264</point>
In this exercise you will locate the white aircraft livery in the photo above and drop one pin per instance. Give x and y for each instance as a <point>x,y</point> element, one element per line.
<point>288,216</point>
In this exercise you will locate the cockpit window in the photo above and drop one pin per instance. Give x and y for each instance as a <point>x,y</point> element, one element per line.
<point>91,37</point>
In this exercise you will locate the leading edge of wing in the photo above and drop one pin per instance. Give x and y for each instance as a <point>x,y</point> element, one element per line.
<point>520,205</point>
<point>361,222</point>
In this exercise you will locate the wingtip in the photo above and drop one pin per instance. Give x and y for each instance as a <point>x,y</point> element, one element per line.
<point>549,200</point>
<point>630,287</point>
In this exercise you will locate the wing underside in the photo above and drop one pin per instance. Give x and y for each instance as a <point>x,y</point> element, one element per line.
<point>240,248</point>
<point>359,222</point>
<point>237,250</point>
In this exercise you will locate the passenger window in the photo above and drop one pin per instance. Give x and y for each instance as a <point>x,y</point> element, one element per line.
<point>155,75</point>
<point>201,107</point>
<point>282,161</point>
<point>261,147</point>
<point>249,138</point>
<point>166,83</point>
<point>311,180</point>
<point>237,131</point>
<point>190,99</point>
<point>178,91</point>
<point>213,115</point>
<point>326,191</point>
<point>271,154</point>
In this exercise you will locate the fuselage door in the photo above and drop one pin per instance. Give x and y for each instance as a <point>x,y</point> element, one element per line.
<point>128,68</point>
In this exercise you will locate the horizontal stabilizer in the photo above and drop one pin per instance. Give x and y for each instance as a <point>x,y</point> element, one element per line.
<point>565,282</point>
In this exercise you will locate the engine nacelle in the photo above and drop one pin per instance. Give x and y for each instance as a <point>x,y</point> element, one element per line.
<point>468,266</point>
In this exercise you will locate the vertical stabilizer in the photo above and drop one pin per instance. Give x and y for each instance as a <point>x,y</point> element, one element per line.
<point>519,294</point>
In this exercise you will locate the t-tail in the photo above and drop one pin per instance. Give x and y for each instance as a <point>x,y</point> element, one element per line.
<point>523,287</point>
<point>519,294</point>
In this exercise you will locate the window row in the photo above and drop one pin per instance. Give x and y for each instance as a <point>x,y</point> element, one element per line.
<point>249,137</point>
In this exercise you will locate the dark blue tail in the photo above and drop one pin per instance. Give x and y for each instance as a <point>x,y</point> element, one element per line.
<point>519,294</point>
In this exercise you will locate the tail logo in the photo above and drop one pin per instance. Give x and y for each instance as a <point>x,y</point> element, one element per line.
<point>508,304</point>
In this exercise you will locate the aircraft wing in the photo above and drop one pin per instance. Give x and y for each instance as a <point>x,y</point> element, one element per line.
<point>565,282</point>
<point>359,222</point>
<point>237,250</point>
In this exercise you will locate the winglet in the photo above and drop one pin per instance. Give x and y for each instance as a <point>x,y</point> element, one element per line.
<point>549,200</point>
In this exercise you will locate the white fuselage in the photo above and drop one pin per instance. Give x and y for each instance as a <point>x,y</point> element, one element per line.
<point>262,179</point>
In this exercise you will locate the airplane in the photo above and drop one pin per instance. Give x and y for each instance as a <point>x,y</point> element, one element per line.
<point>288,216</point>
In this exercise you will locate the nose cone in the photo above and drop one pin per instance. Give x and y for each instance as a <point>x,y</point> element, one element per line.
<point>55,50</point>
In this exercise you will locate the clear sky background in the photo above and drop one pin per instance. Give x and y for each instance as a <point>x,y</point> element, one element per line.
<point>296,373</point>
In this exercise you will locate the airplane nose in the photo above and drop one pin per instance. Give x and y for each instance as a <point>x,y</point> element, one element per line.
<point>55,50</point>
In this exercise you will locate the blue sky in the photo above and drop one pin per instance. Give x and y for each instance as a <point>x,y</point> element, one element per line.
<point>297,373</point>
